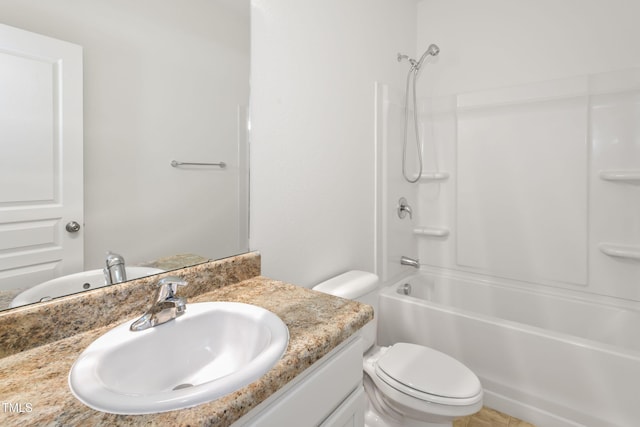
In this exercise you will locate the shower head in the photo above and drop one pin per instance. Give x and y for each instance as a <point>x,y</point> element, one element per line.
<point>432,50</point>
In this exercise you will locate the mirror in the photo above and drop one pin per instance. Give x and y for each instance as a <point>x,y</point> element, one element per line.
<point>161,82</point>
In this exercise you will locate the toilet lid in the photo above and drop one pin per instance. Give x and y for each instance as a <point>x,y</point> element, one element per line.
<point>424,370</point>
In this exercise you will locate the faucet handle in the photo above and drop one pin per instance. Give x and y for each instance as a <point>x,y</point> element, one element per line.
<point>171,282</point>
<point>404,209</point>
<point>166,306</point>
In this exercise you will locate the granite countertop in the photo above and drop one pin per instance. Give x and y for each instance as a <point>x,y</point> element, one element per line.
<point>36,379</point>
<point>174,262</point>
<point>168,263</point>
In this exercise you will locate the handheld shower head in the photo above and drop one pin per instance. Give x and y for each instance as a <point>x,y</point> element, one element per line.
<point>412,75</point>
<point>432,50</point>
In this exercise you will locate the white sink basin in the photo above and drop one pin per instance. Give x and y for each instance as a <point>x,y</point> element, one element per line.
<point>74,283</point>
<point>215,348</point>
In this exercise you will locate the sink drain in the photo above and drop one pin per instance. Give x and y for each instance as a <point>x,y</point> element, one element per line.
<point>181,386</point>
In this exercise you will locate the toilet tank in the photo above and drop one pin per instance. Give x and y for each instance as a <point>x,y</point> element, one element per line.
<point>360,286</point>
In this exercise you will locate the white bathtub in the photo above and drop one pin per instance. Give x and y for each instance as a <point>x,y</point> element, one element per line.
<point>545,358</point>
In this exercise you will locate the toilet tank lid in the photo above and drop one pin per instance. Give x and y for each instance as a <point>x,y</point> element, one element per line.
<point>351,285</point>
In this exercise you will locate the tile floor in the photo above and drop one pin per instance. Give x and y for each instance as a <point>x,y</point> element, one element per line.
<point>488,417</point>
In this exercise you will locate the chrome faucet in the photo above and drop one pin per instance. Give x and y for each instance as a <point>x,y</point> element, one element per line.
<point>405,260</point>
<point>166,305</point>
<point>115,271</point>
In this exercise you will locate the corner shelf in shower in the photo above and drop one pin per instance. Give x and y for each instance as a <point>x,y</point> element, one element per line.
<point>630,176</point>
<point>434,176</point>
<point>618,251</point>
<point>431,231</point>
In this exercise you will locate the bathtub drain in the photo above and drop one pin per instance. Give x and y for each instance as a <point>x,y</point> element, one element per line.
<point>404,289</point>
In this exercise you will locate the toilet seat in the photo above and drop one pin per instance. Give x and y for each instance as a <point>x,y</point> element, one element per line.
<point>419,401</point>
<point>428,375</point>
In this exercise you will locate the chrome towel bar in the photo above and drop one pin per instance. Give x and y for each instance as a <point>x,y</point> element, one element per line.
<point>175,164</point>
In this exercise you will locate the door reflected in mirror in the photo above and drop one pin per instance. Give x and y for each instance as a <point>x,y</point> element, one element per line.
<point>159,82</point>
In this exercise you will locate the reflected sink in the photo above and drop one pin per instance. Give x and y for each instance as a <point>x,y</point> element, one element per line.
<point>74,283</point>
<point>215,348</point>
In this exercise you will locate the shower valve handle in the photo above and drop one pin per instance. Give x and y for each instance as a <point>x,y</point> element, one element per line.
<point>404,209</point>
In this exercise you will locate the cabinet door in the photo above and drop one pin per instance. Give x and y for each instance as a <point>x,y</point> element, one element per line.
<point>41,180</point>
<point>350,413</point>
<point>314,396</point>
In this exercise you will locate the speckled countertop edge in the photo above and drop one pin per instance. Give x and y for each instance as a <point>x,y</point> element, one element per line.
<point>27,327</point>
<point>317,324</point>
<point>168,263</point>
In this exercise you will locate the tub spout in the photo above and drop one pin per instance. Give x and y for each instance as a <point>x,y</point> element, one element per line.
<point>404,260</point>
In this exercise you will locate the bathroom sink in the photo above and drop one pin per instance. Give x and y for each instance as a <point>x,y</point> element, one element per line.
<point>73,283</point>
<point>215,348</point>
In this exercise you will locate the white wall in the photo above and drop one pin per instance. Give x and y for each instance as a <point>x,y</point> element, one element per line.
<point>162,81</point>
<point>314,65</point>
<point>498,43</point>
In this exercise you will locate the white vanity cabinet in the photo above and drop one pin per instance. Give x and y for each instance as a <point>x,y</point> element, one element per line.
<point>327,394</point>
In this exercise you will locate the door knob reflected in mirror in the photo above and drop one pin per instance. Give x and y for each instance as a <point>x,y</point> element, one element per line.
<point>72,227</point>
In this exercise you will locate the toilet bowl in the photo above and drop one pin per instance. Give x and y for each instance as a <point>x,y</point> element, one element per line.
<point>418,386</point>
<point>406,384</point>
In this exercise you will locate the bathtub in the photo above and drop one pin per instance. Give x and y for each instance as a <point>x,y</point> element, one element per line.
<point>542,357</point>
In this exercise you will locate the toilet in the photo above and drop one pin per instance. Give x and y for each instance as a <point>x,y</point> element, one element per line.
<point>406,384</point>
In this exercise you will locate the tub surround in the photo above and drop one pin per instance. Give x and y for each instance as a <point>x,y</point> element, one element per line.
<point>37,357</point>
